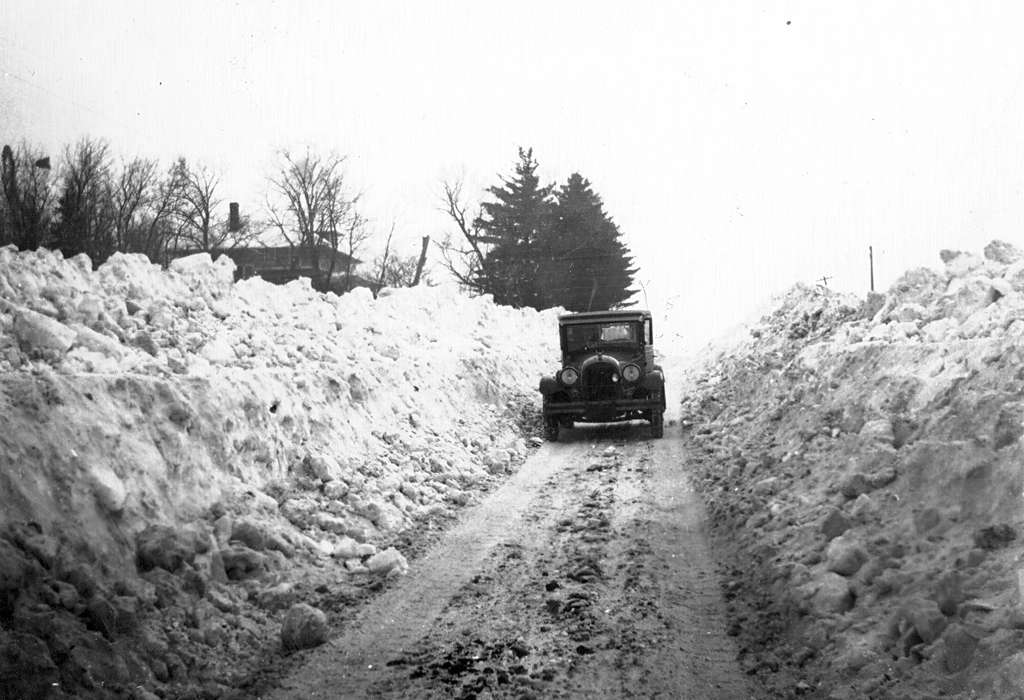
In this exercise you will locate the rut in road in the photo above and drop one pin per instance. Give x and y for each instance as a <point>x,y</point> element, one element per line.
<point>587,574</point>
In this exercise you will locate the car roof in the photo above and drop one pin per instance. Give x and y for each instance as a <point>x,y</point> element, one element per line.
<point>598,316</point>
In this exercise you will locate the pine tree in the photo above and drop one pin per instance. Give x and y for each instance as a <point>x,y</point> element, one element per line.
<point>26,197</point>
<point>534,247</point>
<point>586,266</point>
<point>515,224</point>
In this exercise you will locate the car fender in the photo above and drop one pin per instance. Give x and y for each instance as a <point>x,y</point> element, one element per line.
<point>654,380</point>
<point>549,386</point>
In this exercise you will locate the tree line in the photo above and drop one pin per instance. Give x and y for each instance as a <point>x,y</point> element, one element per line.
<point>90,202</point>
<point>530,244</point>
<point>535,245</point>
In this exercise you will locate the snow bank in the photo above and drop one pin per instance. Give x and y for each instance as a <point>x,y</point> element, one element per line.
<point>149,395</point>
<point>862,460</point>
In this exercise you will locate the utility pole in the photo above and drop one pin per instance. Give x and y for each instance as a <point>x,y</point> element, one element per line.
<point>871,263</point>
<point>421,261</point>
<point>824,280</point>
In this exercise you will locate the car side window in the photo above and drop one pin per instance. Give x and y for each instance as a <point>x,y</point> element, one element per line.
<point>648,331</point>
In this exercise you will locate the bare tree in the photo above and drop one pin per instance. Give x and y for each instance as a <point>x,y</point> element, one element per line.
<point>310,207</point>
<point>356,235</point>
<point>200,226</point>
<point>84,207</point>
<point>277,218</point>
<point>27,197</point>
<point>198,202</point>
<point>185,211</point>
<point>146,208</point>
<point>466,261</point>
<point>161,227</point>
<point>129,196</point>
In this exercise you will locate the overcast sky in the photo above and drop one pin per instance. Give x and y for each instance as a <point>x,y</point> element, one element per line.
<point>740,146</point>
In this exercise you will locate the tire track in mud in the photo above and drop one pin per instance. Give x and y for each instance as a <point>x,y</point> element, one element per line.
<point>670,616</point>
<point>351,663</point>
<point>586,575</point>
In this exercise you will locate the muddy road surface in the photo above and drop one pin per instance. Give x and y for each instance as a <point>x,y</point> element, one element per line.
<point>587,574</point>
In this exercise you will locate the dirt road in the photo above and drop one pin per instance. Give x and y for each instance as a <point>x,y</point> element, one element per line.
<point>587,574</point>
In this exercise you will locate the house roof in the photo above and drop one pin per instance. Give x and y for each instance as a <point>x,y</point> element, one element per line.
<point>256,254</point>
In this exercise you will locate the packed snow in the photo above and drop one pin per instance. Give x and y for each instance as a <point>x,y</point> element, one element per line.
<point>190,465</point>
<point>170,390</point>
<point>862,464</point>
<point>165,418</point>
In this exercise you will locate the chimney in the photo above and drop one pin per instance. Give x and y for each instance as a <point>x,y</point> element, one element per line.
<point>234,222</point>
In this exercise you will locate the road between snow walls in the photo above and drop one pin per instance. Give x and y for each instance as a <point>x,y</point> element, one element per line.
<point>196,474</point>
<point>193,470</point>
<point>862,465</point>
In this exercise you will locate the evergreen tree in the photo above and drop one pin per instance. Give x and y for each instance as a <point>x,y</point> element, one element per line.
<point>586,266</point>
<point>533,247</point>
<point>514,225</point>
<point>26,197</point>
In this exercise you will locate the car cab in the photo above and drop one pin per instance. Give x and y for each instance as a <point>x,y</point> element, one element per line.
<point>608,372</point>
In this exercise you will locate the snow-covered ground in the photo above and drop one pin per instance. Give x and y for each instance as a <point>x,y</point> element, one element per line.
<point>163,392</point>
<point>273,446</point>
<point>148,411</point>
<point>862,464</point>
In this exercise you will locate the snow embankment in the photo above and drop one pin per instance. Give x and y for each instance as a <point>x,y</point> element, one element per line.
<point>188,466</point>
<point>865,462</point>
<point>132,395</point>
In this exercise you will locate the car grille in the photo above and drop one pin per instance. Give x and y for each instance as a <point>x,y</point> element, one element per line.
<point>599,382</point>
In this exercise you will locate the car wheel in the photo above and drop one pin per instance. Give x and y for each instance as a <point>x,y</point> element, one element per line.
<point>657,424</point>
<point>551,429</point>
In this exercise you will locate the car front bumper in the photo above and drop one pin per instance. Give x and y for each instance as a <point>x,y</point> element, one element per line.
<point>608,407</point>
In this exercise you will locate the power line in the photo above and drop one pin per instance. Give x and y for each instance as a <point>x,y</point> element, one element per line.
<point>8,73</point>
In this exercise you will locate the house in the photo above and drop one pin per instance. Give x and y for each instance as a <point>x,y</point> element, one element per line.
<point>281,264</point>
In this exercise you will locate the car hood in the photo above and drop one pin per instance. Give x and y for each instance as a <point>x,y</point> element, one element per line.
<point>618,356</point>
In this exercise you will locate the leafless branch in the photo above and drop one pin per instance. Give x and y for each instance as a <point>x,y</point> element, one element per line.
<point>199,203</point>
<point>466,264</point>
<point>309,204</point>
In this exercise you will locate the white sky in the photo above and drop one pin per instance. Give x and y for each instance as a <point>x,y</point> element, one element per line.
<point>741,146</point>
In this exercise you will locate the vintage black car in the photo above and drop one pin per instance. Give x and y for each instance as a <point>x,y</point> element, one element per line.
<point>608,372</point>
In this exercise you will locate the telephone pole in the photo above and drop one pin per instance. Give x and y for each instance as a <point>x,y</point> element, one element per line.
<point>871,264</point>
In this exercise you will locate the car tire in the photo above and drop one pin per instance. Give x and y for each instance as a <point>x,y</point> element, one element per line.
<point>657,424</point>
<point>551,429</point>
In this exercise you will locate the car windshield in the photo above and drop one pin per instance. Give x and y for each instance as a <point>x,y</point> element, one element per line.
<point>581,336</point>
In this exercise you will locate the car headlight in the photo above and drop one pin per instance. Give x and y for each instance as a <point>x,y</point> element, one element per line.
<point>631,373</point>
<point>568,376</point>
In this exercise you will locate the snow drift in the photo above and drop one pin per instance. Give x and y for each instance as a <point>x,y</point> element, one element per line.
<point>864,462</point>
<point>153,394</point>
<point>173,420</point>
